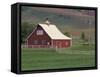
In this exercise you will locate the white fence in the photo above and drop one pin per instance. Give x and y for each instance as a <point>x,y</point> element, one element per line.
<point>36,46</point>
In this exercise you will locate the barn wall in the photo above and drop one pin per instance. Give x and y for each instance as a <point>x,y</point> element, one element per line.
<point>34,36</point>
<point>61,43</point>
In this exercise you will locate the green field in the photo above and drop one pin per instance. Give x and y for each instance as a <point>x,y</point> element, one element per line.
<point>75,56</point>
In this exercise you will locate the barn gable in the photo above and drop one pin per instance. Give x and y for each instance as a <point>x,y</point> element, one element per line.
<point>34,32</point>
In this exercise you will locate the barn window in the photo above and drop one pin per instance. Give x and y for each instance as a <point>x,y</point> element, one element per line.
<point>39,32</point>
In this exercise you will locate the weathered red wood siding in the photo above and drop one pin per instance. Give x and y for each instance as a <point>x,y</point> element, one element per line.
<point>34,36</point>
<point>61,43</point>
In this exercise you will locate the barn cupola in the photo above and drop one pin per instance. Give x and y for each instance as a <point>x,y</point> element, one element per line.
<point>47,21</point>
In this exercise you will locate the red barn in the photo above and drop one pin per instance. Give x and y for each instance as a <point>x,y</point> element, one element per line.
<point>47,35</point>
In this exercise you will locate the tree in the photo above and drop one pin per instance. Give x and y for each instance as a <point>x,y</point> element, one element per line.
<point>67,34</point>
<point>26,29</point>
<point>83,36</point>
<point>85,40</point>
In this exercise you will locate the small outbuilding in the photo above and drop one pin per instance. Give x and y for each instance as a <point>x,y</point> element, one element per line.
<point>47,35</point>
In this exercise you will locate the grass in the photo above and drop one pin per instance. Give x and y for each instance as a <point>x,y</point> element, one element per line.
<point>75,56</point>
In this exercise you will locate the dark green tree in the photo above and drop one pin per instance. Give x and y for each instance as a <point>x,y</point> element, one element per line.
<point>83,36</point>
<point>67,34</point>
<point>26,29</point>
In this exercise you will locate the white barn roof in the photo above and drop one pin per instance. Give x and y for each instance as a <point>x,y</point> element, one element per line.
<point>53,31</point>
